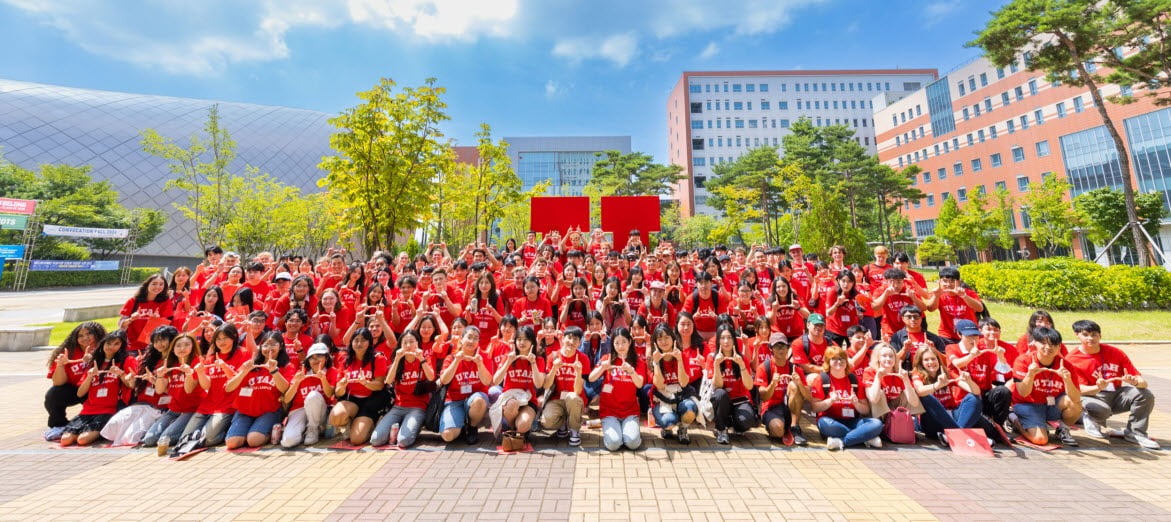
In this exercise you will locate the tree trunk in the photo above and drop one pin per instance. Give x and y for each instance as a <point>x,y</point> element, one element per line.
<point>1119,145</point>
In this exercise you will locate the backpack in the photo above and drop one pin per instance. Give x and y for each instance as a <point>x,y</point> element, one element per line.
<point>715,300</point>
<point>825,382</point>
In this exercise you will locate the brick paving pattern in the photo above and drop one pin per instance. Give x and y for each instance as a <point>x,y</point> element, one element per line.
<point>752,479</point>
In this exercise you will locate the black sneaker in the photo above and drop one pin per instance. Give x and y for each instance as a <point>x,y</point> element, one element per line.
<point>683,438</point>
<point>666,434</point>
<point>1065,436</point>
<point>561,433</point>
<point>942,440</point>
<point>798,437</point>
<point>471,435</point>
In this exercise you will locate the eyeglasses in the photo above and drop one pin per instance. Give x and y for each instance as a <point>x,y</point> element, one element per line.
<point>912,316</point>
<point>837,361</point>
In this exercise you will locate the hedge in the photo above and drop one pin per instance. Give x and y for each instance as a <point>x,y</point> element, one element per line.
<point>1062,283</point>
<point>72,279</point>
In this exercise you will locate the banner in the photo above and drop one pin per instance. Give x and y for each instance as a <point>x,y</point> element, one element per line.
<point>560,213</point>
<point>621,214</point>
<point>17,206</point>
<point>13,222</point>
<point>71,266</point>
<point>100,233</point>
<point>11,252</point>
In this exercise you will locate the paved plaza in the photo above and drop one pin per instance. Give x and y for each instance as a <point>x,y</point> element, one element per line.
<point>752,479</point>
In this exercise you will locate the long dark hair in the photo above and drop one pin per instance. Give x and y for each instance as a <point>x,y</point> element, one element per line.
<point>153,357</point>
<point>70,343</point>
<point>528,334</point>
<point>361,281</point>
<point>735,347</point>
<point>413,334</point>
<point>846,273</point>
<point>143,290</point>
<point>662,330</point>
<point>368,357</point>
<point>790,296</point>
<point>282,357</point>
<point>493,295</point>
<point>119,356</point>
<point>227,330</point>
<point>696,340</point>
<point>631,353</point>
<point>579,281</point>
<point>220,309</point>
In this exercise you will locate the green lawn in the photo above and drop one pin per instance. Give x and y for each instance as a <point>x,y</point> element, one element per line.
<point>1131,326</point>
<point>61,330</point>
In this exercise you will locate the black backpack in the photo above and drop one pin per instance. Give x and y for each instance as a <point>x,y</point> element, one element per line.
<point>825,382</point>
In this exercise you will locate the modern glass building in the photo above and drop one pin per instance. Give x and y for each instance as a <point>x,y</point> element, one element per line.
<point>565,161</point>
<point>41,124</point>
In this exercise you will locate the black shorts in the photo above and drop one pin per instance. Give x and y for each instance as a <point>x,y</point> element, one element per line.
<point>85,423</point>
<point>372,406</point>
<point>777,412</point>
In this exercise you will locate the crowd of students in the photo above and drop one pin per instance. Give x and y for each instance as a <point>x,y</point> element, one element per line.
<point>531,336</point>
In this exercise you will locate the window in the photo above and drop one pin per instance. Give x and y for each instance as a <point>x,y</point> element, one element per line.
<point>816,104</point>
<point>737,106</point>
<point>960,85</point>
<point>737,141</point>
<point>1018,154</point>
<point>1039,116</point>
<point>696,108</point>
<point>995,160</point>
<point>1000,73</point>
<point>945,196</point>
<point>709,123</point>
<point>976,109</point>
<point>1022,183</point>
<point>739,123</point>
<point>784,124</point>
<point>751,124</point>
<point>1011,126</point>
<point>936,149</point>
<point>1024,122</point>
<point>966,116</point>
<point>1042,148</point>
<point>694,89</point>
<point>931,200</point>
<point>983,79</point>
<point>750,87</point>
<point>971,83</point>
<point>1004,100</point>
<point>700,180</point>
<point>1060,109</point>
<point>698,161</point>
<point>918,110</point>
<point>977,165</point>
<point>725,87</point>
<point>1020,93</point>
<point>992,131</point>
<point>987,104</point>
<point>720,141</point>
<point>835,104</point>
<point>1012,68</point>
<point>709,105</point>
<point>748,105</point>
<point>697,124</point>
<point>961,194</point>
<point>853,104</point>
<point>735,87</point>
<point>784,106</point>
<point>697,144</point>
<point>1032,87</point>
<point>1077,104</point>
<point>784,86</point>
<point>971,141</point>
<point>946,147</point>
<point>941,174</point>
<point>958,169</point>
<point>764,87</point>
<point>1026,221</point>
<point>980,189</point>
<point>764,105</point>
<point>980,135</point>
<point>927,176</point>
<point>955,143</point>
<point>898,140</point>
<point>887,86</point>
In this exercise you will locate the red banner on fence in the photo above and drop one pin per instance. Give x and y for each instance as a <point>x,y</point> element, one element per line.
<point>559,213</point>
<point>17,206</point>
<point>621,214</point>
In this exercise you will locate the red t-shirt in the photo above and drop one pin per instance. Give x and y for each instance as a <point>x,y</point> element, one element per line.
<point>982,368</point>
<point>953,308</point>
<point>787,320</point>
<point>483,319</point>
<point>619,397</point>
<point>466,380</point>
<point>566,375</point>
<point>106,390</point>
<point>146,385</point>
<point>670,370</point>
<point>454,294</point>
<point>694,363</point>
<point>949,396</point>
<point>134,328</point>
<point>843,400</point>
<point>843,318</point>
<point>746,314</point>
<point>296,355</point>
<point>356,370</point>
<point>215,399</point>
<point>1109,363</point>
<point>876,273</point>
<point>764,378</point>
<point>495,354</point>
<point>179,400</point>
<point>520,376</point>
<point>705,310</point>
<point>891,320</point>
<point>75,370</point>
<point>526,311</point>
<point>656,315</point>
<point>1047,385</point>
<point>734,384</point>
<point>816,351</point>
<point>404,387</point>
<point>258,394</point>
<point>312,383</point>
<point>892,385</point>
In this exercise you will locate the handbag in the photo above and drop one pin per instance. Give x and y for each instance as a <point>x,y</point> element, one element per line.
<point>704,403</point>
<point>899,427</point>
<point>435,409</point>
<point>512,441</point>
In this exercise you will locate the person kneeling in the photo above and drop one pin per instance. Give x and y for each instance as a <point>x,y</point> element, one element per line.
<point>623,373</point>
<point>259,385</point>
<point>516,409</point>
<point>782,391</point>
<point>1043,390</point>
<point>840,404</point>
<point>1110,384</point>
<point>467,379</point>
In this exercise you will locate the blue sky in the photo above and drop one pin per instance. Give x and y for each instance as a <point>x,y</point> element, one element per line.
<point>526,67</point>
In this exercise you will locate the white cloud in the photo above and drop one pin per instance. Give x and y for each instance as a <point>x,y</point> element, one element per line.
<point>935,12</point>
<point>618,48</point>
<point>711,50</point>
<point>747,17</point>
<point>553,89</point>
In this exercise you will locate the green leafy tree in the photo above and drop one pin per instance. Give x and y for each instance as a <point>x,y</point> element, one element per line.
<point>1104,212</point>
<point>824,225</point>
<point>495,184</point>
<point>757,173</point>
<point>634,174</point>
<point>516,217</point>
<point>1053,218</point>
<point>697,231</point>
<point>1004,221</point>
<point>1070,39</point>
<point>934,250</point>
<point>389,151</point>
<point>202,171</point>
<point>739,207</point>
<point>890,189</point>
<point>947,226</point>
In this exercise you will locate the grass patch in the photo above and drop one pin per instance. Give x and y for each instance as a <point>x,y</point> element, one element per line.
<point>1138,325</point>
<point>61,330</point>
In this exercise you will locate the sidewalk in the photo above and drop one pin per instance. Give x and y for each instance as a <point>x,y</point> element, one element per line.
<point>48,306</point>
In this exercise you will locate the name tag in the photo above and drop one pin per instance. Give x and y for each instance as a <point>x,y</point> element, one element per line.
<point>845,318</point>
<point>483,324</point>
<point>246,392</point>
<point>848,413</point>
<point>102,392</point>
<point>465,389</point>
<point>1050,401</point>
<point>150,392</point>
<point>609,388</point>
<point>565,395</point>
<point>1000,377</point>
<point>164,400</point>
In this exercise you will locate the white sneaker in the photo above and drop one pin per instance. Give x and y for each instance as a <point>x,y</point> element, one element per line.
<point>876,443</point>
<point>834,444</point>
<point>1141,440</point>
<point>311,436</point>
<point>1091,427</point>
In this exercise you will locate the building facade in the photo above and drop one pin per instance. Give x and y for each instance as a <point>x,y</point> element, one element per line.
<point>48,124</point>
<point>980,128</point>
<point>565,161</point>
<point>716,117</point>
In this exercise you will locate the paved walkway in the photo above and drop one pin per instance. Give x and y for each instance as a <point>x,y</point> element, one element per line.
<point>752,479</point>
<point>48,306</point>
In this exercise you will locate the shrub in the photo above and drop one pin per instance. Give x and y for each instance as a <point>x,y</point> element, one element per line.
<point>1070,284</point>
<point>71,279</point>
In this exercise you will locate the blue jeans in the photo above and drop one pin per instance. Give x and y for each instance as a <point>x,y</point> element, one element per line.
<point>618,432</point>
<point>409,421</point>
<point>242,424</point>
<point>1034,415</point>
<point>169,426</point>
<point>666,419</point>
<point>852,431</point>
<point>214,425</point>
<point>936,418</point>
<point>455,413</point>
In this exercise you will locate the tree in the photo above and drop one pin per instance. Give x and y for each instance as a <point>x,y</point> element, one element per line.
<point>1104,212</point>
<point>515,219</point>
<point>1053,219</point>
<point>753,173</point>
<point>201,170</point>
<point>389,152</point>
<point>973,226</point>
<point>1069,39</point>
<point>495,184</point>
<point>696,231</point>
<point>825,225</point>
<point>634,174</point>
<point>740,207</point>
<point>1004,220</point>
<point>934,250</point>
<point>947,223</point>
<point>890,189</point>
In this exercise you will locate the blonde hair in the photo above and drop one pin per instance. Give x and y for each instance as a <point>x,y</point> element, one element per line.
<point>874,357</point>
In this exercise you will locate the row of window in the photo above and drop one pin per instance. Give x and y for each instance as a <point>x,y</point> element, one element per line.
<point>764,123</point>
<point>1022,183</point>
<point>719,141</point>
<point>970,85</point>
<point>696,88</point>
<point>728,105</point>
<point>1018,155</point>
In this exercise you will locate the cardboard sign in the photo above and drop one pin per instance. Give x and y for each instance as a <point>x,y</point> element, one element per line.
<point>968,441</point>
<point>559,213</point>
<point>621,214</point>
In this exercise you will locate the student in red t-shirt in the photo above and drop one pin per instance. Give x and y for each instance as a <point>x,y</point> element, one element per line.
<point>841,308</point>
<point>108,380</point>
<point>145,404</point>
<point>954,302</point>
<point>176,381</point>
<point>565,382</point>
<point>467,377</point>
<point>989,361</point>
<point>705,304</point>
<point>657,309</point>
<point>891,297</point>
<point>732,382</point>
<point>809,349</point>
<point>1043,390</point>
<point>485,307</point>
<point>220,362</point>
<point>623,374</point>
<point>1110,384</point>
<point>782,391</point>
<point>332,316</point>
<point>786,312</point>
<point>308,397</point>
<point>888,388</point>
<point>361,389</point>
<point>151,302</point>
<point>68,364</point>
<point>949,401</point>
<point>518,375</point>
<point>259,385</point>
<point>531,307</point>
<point>1037,318</point>
<point>840,404</point>
<point>412,376</point>
<point>670,378</point>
